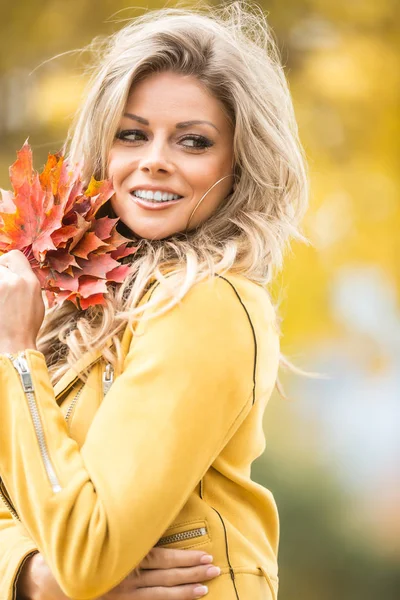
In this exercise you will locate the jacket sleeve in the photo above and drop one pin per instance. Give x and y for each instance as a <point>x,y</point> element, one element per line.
<point>15,548</point>
<point>96,512</point>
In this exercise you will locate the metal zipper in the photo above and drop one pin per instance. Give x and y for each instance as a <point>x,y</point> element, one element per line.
<point>7,500</point>
<point>71,383</point>
<point>183,535</point>
<point>21,365</point>
<point>108,378</point>
<point>73,403</point>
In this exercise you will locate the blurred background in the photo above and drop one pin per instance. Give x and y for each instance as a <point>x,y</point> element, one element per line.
<point>333,450</point>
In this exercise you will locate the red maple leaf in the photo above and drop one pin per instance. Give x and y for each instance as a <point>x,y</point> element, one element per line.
<point>52,220</point>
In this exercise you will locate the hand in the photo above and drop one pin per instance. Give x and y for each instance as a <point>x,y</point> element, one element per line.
<point>21,304</point>
<point>36,582</point>
<point>164,574</point>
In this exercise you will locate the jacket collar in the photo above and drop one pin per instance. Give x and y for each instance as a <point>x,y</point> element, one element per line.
<point>90,358</point>
<point>85,362</point>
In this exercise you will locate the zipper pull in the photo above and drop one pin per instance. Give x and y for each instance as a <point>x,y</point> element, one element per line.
<point>108,378</point>
<point>21,365</point>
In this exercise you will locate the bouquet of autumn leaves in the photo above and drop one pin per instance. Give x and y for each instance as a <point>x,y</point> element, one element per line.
<point>52,220</point>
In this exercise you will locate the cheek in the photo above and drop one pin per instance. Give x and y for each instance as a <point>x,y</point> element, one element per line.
<point>111,163</point>
<point>209,172</point>
<point>118,167</point>
<point>113,172</point>
<point>218,175</point>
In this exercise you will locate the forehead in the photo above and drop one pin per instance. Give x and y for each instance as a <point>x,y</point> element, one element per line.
<point>174,97</point>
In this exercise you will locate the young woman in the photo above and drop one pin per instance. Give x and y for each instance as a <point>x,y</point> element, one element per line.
<point>131,428</point>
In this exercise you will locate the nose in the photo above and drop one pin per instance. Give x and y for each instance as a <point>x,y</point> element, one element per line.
<point>155,160</point>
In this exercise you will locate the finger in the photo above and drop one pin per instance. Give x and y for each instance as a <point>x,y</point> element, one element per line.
<point>168,558</point>
<point>17,262</point>
<point>6,273</point>
<point>179,576</point>
<point>28,281</point>
<point>182,592</point>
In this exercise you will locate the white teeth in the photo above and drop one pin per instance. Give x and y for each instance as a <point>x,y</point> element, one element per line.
<point>157,196</point>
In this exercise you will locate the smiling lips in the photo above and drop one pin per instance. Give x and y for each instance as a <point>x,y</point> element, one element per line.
<point>154,199</point>
<point>155,195</point>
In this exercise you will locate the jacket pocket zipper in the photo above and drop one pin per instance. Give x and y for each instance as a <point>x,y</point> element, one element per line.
<point>182,535</point>
<point>21,365</point>
<point>7,500</point>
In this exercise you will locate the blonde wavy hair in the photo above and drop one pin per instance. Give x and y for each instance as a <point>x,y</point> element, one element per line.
<point>232,52</point>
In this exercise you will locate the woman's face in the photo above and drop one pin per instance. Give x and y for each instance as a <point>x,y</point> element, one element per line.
<point>173,143</point>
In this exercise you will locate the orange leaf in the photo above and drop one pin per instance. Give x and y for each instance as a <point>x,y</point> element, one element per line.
<point>62,235</point>
<point>22,170</point>
<point>61,260</point>
<point>93,188</point>
<point>92,301</point>
<point>91,285</point>
<point>98,265</point>
<point>32,223</point>
<point>82,227</point>
<point>123,251</point>
<point>63,281</point>
<point>104,226</point>
<point>119,274</point>
<point>99,192</point>
<point>89,243</point>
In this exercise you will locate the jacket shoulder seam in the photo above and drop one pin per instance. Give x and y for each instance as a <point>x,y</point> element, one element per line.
<point>156,285</point>
<point>252,330</point>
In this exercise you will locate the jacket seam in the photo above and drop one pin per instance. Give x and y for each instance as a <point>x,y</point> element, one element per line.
<point>253,333</point>
<point>248,571</point>
<point>231,570</point>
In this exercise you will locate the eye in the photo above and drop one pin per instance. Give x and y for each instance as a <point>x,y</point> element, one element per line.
<point>198,142</point>
<point>130,135</point>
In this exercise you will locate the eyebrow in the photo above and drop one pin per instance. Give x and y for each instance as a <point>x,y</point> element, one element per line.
<point>181,125</point>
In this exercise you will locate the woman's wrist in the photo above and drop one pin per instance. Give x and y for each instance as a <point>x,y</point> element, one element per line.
<point>15,346</point>
<point>26,585</point>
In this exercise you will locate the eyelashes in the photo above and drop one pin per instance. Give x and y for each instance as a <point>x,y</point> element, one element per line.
<point>200,142</point>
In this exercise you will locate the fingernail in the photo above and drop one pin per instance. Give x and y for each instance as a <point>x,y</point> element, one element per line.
<point>207,558</point>
<point>200,591</point>
<point>213,571</point>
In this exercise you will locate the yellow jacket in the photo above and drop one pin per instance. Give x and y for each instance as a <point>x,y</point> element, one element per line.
<point>165,457</point>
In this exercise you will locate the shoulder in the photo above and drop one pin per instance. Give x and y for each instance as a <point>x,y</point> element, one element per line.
<point>252,296</point>
<point>223,293</point>
<point>222,306</point>
<point>219,330</point>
